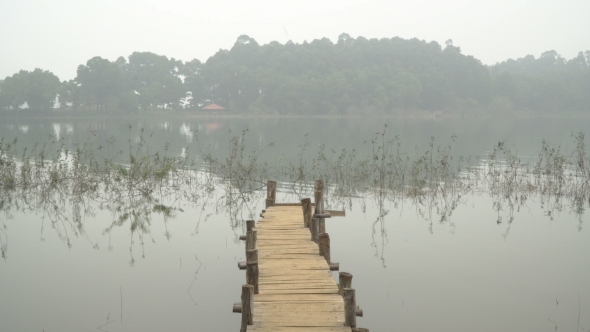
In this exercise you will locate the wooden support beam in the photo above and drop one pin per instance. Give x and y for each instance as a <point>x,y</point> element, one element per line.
<point>307,212</point>
<point>349,307</point>
<point>322,215</point>
<point>237,308</point>
<point>360,330</point>
<point>247,307</point>
<point>319,196</point>
<point>250,224</point>
<point>252,275</point>
<point>336,213</point>
<point>252,255</point>
<point>324,242</point>
<point>322,226</point>
<point>271,193</point>
<point>318,185</point>
<point>315,228</point>
<point>251,240</point>
<point>359,311</point>
<point>271,189</point>
<point>344,281</point>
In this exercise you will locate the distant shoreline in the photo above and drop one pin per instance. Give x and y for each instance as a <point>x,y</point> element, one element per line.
<point>416,115</point>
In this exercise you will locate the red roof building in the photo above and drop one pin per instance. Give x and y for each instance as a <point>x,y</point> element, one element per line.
<point>213,107</point>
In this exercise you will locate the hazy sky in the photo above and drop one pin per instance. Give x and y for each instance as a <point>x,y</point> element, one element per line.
<point>59,35</point>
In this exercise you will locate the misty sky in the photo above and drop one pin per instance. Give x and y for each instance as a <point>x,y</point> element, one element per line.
<point>59,35</point>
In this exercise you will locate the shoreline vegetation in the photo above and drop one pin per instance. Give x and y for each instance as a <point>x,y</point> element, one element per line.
<point>67,184</point>
<point>58,114</point>
<point>351,77</point>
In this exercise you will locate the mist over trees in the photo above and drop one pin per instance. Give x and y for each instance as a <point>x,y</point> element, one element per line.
<point>351,76</point>
<point>37,90</point>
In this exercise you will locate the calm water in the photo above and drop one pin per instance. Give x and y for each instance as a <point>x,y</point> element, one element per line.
<point>411,271</point>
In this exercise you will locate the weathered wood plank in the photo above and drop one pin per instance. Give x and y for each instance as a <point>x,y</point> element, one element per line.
<point>258,328</point>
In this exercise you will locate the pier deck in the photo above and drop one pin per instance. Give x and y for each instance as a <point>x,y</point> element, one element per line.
<point>296,288</point>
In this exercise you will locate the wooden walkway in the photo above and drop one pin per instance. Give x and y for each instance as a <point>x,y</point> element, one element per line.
<point>289,285</point>
<point>296,288</point>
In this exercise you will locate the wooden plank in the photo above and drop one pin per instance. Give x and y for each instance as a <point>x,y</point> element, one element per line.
<point>313,284</point>
<point>312,250</point>
<point>315,281</point>
<point>295,305</point>
<point>258,328</point>
<point>319,290</point>
<point>307,307</point>
<point>301,323</point>
<point>298,298</point>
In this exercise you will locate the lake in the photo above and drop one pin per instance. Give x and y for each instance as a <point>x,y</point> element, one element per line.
<point>466,259</point>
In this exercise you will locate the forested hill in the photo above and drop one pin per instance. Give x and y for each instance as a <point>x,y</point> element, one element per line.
<point>367,76</point>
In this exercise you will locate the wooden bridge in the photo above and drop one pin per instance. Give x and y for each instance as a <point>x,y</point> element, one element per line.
<point>289,284</point>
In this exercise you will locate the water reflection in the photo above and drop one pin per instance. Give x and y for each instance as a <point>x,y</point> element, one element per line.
<point>186,131</point>
<point>68,184</point>
<point>206,193</point>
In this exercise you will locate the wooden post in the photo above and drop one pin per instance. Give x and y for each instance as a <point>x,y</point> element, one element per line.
<point>349,307</point>
<point>360,330</point>
<point>319,204</point>
<point>251,240</point>
<point>359,311</point>
<point>271,190</point>
<point>306,206</point>
<point>252,275</point>
<point>247,306</point>
<point>344,281</point>
<point>319,196</point>
<point>314,229</point>
<point>252,255</point>
<point>324,241</point>
<point>271,193</point>
<point>269,202</point>
<point>250,224</point>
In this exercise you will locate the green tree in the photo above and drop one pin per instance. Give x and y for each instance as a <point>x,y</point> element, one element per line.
<point>37,90</point>
<point>101,81</point>
<point>194,82</point>
<point>156,80</point>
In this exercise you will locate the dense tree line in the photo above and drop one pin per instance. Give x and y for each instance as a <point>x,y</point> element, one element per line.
<point>321,77</point>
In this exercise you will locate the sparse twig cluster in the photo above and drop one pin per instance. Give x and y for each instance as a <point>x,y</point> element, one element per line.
<point>67,184</point>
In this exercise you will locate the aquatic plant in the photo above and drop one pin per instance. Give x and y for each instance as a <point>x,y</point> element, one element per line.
<point>68,183</point>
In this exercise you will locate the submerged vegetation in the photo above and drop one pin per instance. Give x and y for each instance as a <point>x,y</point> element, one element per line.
<point>67,184</point>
